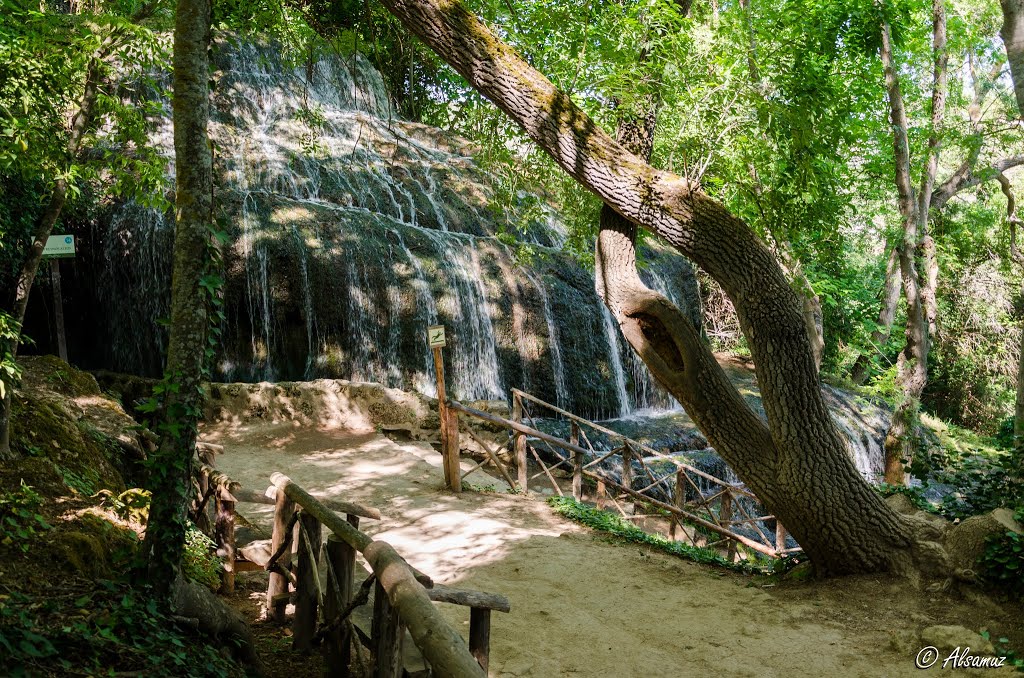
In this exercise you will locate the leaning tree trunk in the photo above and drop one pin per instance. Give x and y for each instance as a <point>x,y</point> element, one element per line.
<point>171,465</point>
<point>797,462</point>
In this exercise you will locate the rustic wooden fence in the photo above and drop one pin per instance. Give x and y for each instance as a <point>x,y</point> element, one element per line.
<point>703,509</point>
<point>323,602</point>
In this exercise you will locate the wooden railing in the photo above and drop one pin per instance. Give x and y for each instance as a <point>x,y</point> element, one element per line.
<point>701,508</point>
<point>403,597</point>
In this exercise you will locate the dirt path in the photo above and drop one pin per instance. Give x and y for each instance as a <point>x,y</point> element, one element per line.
<point>584,607</point>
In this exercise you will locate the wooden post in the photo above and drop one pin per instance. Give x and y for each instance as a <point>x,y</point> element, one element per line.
<point>307,593</point>
<point>519,442</point>
<point>452,476</point>
<point>602,493</point>
<point>202,518</point>
<point>283,510</point>
<point>387,635</point>
<point>338,644</point>
<point>451,452</point>
<point>224,536</point>
<point>58,310</point>
<point>725,518</point>
<point>627,470</point>
<point>577,465</point>
<point>480,635</point>
<point>780,537</point>
<point>678,499</point>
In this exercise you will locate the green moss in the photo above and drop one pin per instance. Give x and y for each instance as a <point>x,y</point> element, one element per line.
<point>48,425</point>
<point>89,545</point>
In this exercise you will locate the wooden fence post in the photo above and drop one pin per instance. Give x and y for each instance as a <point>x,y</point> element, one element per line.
<point>451,453</point>
<point>725,518</point>
<point>224,537</point>
<point>387,635</point>
<point>678,499</point>
<point>602,493</point>
<point>283,510</point>
<point>307,592</point>
<point>519,442</point>
<point>480,635</point>
<point>338,644</point>
<point>627,471</point>
<point>577,464</point>
<point>780,538</point>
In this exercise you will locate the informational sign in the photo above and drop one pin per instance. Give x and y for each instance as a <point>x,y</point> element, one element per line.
<point>435,336</point>
<point>59,246</point>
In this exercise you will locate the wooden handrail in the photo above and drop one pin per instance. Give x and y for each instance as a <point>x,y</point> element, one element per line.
<point>651,452</point>
<point>444,649</point>
<point>514,425</point>
<point>250,496</point>
<point>521,428</point>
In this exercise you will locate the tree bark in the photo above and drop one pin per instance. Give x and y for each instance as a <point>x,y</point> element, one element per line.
<point>797,462</point>
<point>1012,33</point>
<point>912,364</point>
<point>171,465</point>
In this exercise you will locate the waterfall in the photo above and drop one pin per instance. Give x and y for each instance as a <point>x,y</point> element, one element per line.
<point>353,230</point>
<point>554,344</point>
<point>612,334</point>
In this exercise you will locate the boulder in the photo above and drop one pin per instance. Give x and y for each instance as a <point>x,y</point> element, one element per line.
<point>967,541</point>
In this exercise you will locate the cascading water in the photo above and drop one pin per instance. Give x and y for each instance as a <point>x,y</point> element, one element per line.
<point>353,230</point>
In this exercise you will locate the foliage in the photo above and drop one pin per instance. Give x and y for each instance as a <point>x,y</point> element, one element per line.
<point>20,522</point>
<point>10,373</point>
<point>84,482</point>
<point>85,635</point>
<point>973,482</point>
<point>201,565</point>
<point>132,505</point>
<point>914,494</point>
<point>616,527</point>
<point>1002,564</point>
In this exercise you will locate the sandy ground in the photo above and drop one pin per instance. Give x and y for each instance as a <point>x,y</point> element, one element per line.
<point>582,606</point>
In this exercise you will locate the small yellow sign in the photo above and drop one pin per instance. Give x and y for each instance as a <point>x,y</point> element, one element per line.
<point>435,336</point>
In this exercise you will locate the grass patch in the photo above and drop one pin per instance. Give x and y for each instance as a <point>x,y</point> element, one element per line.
<point>615,526</point>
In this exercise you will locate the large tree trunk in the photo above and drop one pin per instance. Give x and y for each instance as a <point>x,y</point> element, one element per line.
<point>797,462</point>
<point>171,465</point>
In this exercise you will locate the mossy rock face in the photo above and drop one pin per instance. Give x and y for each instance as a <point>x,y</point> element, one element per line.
<point>64,427</point>
<point>56,375</point>
<point>89,544</point>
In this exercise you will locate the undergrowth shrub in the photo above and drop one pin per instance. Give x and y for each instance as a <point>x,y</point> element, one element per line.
<point>615,526</point>
<point>1002,564</point>
<point>20,522</point>
<point>201,563</point>
<point>111,625</point>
